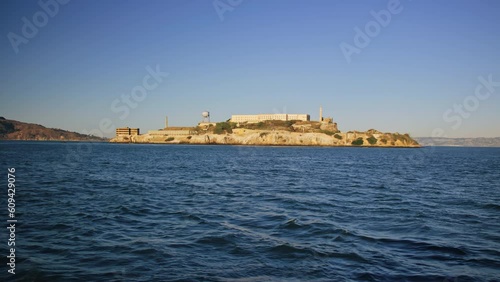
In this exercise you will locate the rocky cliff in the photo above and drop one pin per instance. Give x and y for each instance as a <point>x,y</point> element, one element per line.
<point>371,138</point>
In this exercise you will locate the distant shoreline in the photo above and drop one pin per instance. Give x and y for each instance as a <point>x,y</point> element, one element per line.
<point>239,145</point>
<point>250,145</point>
<point>269,145</point>
<point>55,141</point>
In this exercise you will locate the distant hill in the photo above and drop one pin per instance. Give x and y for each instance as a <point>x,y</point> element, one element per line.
<point>461,142</point>
<point>16,130</point>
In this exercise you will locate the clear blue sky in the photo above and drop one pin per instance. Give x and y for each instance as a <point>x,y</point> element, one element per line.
<point>263,56</point>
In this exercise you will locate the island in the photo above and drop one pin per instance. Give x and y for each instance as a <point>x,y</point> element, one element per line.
<point>266,130</point>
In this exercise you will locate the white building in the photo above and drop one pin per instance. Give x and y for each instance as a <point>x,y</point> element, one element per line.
<point>264,117</point>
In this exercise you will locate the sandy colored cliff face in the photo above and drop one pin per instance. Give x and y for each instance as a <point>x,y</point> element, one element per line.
<point>277,138</point>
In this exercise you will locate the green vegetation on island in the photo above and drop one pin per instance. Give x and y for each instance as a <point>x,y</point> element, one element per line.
<point>358,142</point>
<point>275,125</point>
<point>271,132</point>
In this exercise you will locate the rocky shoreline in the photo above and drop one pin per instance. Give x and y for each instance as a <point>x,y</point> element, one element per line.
<point>371,138</point>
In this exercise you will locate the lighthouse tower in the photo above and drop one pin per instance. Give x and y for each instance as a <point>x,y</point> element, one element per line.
<point>320,114</point>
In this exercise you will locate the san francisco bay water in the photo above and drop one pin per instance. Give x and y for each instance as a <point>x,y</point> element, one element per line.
<point>120,212</point>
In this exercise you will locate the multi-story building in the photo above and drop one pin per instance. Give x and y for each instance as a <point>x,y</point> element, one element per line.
<point>264,117</point>
<point>173,131</point>
<point>127,131</point>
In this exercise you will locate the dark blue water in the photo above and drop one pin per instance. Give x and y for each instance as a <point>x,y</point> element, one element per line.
<point>108,212</point>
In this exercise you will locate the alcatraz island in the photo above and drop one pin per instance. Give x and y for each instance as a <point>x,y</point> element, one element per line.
<point>267,130</point>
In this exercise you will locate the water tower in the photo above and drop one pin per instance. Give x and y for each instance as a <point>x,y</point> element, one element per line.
<point>206,116</point>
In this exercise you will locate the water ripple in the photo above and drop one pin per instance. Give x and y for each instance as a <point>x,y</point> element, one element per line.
<point>228,213</point>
